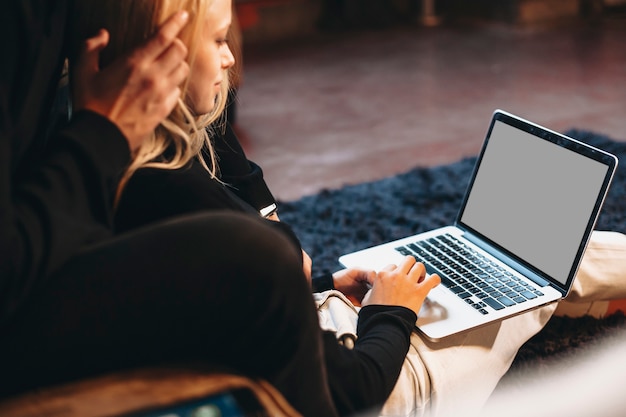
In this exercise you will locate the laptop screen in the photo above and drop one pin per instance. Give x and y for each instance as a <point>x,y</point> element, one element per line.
<point>535,198</point>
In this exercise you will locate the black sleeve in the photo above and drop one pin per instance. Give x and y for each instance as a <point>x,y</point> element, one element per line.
<point>362,379</point>
<point>323,282</point>
<point>61,203</point>
<point>56,192</point>
<point>154,194</point>
<point>244,176</point>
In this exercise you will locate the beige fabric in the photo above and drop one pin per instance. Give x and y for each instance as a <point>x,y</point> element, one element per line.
<point>591,384</point>
<point>336,313</point>
<point>593,308</point>
<point>437,373</point>
<point>462,369</point>
<point>465,369</point>
<point>600,278</point>
<point>602,273</point>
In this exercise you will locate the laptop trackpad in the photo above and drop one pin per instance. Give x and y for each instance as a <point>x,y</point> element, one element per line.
<point>444,313</point>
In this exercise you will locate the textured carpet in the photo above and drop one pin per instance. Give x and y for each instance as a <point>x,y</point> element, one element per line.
<point>334,222</point>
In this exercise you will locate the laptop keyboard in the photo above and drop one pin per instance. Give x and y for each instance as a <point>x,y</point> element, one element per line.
<point>470,275</point>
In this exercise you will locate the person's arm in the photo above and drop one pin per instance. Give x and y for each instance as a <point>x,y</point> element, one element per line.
<point>354,283</point>
<point>137,91</point>
<point>55,196</point>
<point>155,194</point>
<point>362,378</point>
<point>52,200</point>
<point>244,177</point>
<point>64,203</point>
<point>323,282</point>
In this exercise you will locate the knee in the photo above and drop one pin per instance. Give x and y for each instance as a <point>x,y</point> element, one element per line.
<point>244,247</point>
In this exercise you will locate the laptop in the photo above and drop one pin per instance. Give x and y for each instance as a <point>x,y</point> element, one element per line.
<point>520,233</point>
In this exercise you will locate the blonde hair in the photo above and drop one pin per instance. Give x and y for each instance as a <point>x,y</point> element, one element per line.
<point>130,23</point>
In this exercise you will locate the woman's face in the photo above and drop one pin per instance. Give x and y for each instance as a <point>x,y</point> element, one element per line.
<point>212,58</point>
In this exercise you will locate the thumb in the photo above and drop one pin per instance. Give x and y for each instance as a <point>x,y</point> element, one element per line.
<point>89,56</point>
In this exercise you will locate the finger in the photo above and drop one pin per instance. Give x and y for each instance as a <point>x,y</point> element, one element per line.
<point>370,278</point>
<point>170,101</point>
<point>164,37</point>
<point>407,263</point>
<point>389,267</point>
<point>420,270</point>
<point>96,43</point>
<point>172,57</point>
<point>178,76</point>
<point>89,55</point>
<point>431,281</point>
<point>361,275</point>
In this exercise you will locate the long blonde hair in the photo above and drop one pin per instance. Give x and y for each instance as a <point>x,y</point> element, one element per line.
<point>130,23</point>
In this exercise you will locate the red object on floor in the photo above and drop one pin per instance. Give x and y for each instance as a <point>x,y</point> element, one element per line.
<point>615,306</point>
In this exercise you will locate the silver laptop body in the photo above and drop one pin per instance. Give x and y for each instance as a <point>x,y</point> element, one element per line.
<point>525,221</point>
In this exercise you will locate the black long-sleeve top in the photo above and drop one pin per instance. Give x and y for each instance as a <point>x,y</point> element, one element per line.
<point>56,196</point>
<point>360,378</point>
<point>154,194</point>
<point>56,192</point>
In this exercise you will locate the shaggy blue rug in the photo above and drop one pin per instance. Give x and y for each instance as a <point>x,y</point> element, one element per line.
<point>334,222</point>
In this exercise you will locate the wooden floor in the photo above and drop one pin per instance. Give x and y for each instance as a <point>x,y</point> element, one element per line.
<point>343,108</point>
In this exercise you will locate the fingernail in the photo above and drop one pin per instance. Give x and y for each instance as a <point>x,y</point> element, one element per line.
<point>184,16</point>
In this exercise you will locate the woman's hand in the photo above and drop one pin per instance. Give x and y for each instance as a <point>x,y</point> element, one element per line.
<point>404,285</point>
<point>307,265</point>
<point>353,283</point>
<point>137,91</point>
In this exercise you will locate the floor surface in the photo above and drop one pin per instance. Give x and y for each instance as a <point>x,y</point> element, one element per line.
<point>343,108</point>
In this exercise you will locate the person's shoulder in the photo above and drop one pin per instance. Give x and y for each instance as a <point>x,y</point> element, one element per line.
<point>188,186</point>
<point>191,174</point>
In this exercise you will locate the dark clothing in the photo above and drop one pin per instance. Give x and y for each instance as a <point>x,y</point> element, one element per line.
<point>55,197</point>
<point>189,290</point>
<point>157,194</point>
<point>76,301</point>
<point>359,379</point>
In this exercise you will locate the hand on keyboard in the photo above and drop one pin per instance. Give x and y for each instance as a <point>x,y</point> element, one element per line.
<point>406,285</point>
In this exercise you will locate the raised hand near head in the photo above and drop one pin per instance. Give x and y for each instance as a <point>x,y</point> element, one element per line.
<point>139,90</point>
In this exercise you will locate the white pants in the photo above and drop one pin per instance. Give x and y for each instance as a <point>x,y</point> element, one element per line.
<point>437,377</point>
